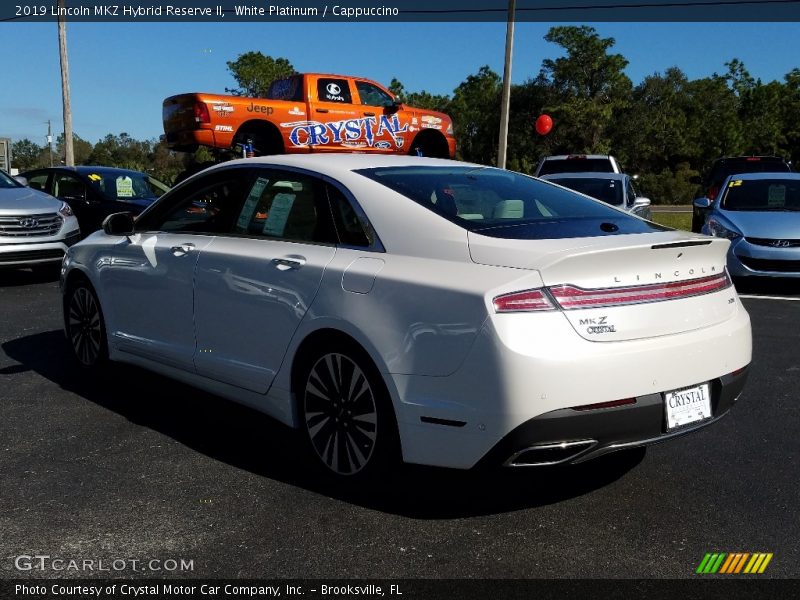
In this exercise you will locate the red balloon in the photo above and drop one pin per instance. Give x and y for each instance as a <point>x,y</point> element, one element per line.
<point>544,124</point>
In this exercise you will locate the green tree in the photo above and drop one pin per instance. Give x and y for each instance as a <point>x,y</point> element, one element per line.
<point>82,149</point>
<point>590,85</point>
<point>254,72</point>
<point>27,155</point>
<point>475,110</point>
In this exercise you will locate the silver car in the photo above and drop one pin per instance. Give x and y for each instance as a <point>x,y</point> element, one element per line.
<point>35,228</point>
<point>616,189</point>
<point>760,214</point>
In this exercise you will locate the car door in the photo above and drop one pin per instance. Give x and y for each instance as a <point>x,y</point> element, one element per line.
<point>254,286</point>
<point>70,188</point>
<point>391,125</point>
<point>335,123</point>
<point>149,276</point>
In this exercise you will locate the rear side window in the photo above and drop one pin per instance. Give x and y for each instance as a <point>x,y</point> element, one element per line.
<point>333,90</point>
<point>507,205</point>
<point>290,89</point>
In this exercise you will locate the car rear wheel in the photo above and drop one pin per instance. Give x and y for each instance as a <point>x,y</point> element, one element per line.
<point>347,417</point>
<point>85,327</point>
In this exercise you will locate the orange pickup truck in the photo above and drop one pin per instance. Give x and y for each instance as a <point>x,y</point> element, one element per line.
<point>308,113</point>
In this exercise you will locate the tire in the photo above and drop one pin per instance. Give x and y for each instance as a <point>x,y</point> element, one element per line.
<point>85,326</point>
<point>346,414</point>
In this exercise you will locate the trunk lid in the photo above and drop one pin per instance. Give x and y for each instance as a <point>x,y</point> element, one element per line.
<point>644,285</point>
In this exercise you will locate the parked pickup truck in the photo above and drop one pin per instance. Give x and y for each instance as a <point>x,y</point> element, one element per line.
<point>307,113</point>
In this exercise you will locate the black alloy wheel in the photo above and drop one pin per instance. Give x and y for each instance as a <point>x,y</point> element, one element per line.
<point>84,326</point>
<point>347,415</point>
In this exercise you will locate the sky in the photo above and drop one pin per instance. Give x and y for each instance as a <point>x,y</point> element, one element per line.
<point>121,72</point>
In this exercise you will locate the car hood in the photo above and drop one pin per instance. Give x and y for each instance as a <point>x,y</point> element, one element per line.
<point>18,201</point>
<point>774,225</point>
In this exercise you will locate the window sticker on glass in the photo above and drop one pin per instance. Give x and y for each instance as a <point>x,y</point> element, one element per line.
<point>776,197</point>
<point>735,183</point>
<point>95,177</point>
<point>251,203</point>
<point>278,214</point>
<point>124,187</point>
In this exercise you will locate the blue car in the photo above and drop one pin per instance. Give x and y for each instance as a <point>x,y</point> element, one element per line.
<point>760,214</point>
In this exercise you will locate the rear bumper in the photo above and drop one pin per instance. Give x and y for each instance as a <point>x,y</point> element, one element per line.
<point>190,138</point>
<point>571,436</point>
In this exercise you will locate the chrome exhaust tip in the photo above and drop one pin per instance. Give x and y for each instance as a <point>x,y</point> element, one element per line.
<point>551,453</point>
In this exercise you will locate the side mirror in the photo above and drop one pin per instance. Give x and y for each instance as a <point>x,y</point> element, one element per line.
<point>118,224</point>
<point>695,179</point>
<point>21,179</point>
<point>641,201</point>
<point>702,203</point>
<point>392,108</point>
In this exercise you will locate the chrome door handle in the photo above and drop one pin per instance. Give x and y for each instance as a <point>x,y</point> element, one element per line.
<point>183,249</point>
<point>291,262</point>
<point>369,114</point>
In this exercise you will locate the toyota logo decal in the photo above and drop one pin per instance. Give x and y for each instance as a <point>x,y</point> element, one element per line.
<point>333,89</point>
<point>29,223</point>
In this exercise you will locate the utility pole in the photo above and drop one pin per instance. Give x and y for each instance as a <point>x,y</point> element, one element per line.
<point>50,141</point>
<point>506,101</point>
<point>69,155</point>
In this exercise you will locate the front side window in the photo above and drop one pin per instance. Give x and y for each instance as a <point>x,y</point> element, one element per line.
<point>372,95</point>
<point>38,181</point>
<point>503,204</point>
<point>210,205</point>
<point>286,205</point>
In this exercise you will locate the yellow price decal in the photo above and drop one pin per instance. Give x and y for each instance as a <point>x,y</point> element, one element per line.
<point>735,183</point>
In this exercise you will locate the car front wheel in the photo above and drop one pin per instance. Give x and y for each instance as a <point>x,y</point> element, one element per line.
<point>84,325</point>
<point>347,415</point>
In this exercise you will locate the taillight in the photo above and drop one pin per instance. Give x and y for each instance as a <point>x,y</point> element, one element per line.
<point>201,114</point>
<point>712,193</point>
<point>529,300</point>
<point>571,297</point>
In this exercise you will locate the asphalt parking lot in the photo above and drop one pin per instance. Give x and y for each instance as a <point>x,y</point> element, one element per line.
<point>136,466</point>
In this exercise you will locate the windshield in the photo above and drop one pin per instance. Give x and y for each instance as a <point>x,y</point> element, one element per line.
<point>762,195</point>
<point>607,190</point>
<point>503,204</point>
<point>126,185</point>
<point>7,181</point>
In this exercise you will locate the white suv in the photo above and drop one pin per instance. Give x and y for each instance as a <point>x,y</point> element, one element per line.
<point>35,228</point>
<point>578,163</point>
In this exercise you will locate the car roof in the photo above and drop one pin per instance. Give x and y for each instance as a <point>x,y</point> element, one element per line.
<point>576,155</point>
<point>87,169</point>
<point>587,175</point>
<point>765,175</point>
<point>334,163</point>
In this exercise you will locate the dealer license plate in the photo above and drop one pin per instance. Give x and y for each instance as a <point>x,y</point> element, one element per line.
<point>688,405</point>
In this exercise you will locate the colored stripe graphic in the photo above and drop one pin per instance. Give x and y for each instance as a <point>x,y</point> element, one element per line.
<point>734,563</point>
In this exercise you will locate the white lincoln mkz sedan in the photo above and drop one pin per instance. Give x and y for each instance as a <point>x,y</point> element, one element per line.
<point>401,307</point>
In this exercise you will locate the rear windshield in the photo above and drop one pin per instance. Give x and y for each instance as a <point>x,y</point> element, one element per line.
<point>576,164</point>
<point>607,190</point>
<point>762,195</point>
<point>503,204</point>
